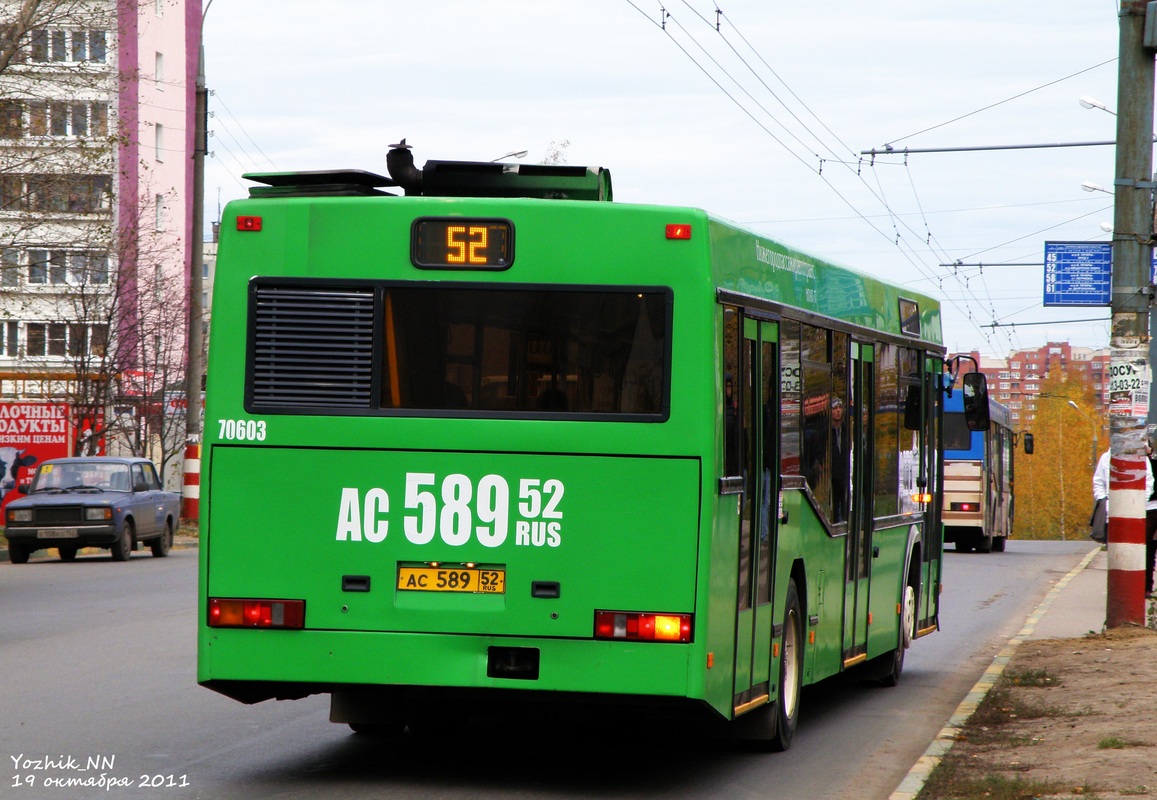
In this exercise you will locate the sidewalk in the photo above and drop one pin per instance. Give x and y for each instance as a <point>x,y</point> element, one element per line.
<point>1077,610</point>
<point>1073,608</point>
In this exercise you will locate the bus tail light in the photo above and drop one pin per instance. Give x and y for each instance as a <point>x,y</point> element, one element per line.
<point>248,223</point>
<point>964,506</point>
<point>678,231</point>
<point>228,613</point>
<point>642,627</point>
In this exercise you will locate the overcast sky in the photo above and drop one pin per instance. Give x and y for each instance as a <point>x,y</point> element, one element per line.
<point>762,121</point>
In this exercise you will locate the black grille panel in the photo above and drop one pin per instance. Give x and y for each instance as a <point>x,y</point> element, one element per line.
<point>312,348</point>
<point>58,515</point>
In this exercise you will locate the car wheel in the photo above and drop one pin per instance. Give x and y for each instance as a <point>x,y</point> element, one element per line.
<point>67,552</point>
<point>123,546</point>
<point>17,554</point>
<point>163,543</point>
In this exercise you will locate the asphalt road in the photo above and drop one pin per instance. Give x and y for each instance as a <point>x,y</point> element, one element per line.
<point>98,667</point>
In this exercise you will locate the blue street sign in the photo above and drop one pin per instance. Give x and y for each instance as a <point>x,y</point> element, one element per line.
<point>1078,273</point>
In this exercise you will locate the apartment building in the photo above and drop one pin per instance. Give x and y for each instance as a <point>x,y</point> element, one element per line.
<point>96,132</point>
<point>1015,381</point>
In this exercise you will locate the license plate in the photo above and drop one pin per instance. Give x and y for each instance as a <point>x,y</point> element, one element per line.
<point>471,580</point>
<point>56,533</point>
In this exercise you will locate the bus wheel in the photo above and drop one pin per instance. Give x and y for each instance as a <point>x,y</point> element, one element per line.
<point>998,544</point>
<point>887,668</point>
<point>790,672</point>
<point>984,543</point>
<point>393,729</point>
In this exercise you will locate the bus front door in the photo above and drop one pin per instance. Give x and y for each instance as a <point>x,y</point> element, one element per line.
<point>759,412</point>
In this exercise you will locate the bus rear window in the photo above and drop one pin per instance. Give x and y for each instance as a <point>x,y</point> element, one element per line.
<point>490,349</point>
<point>525,350</point>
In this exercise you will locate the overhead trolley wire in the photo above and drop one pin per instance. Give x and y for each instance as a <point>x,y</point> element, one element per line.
<point>898,239</point>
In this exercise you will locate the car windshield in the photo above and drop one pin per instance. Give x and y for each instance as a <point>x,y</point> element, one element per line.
<point>81,476</point>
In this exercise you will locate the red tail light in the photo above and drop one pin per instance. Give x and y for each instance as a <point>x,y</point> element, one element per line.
<point>287,614</point>
<point>963,506</point>
<point>247,223</point>
<point>642,626</point>
<point>675,231</point>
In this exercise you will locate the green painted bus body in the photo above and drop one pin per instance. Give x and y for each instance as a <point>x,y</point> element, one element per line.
<point>642,524</point>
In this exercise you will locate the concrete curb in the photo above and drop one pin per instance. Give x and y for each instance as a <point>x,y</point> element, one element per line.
<point>922,769</point>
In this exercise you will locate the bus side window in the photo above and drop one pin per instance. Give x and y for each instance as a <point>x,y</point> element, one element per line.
<point>789,398</point>
<point>732,433</point>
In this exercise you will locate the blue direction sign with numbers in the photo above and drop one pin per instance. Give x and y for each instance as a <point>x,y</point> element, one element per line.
<point>1078,273</point>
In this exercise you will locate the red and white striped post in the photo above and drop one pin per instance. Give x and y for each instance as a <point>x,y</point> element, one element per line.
<point>191,491</point>
<point>1125,597</point>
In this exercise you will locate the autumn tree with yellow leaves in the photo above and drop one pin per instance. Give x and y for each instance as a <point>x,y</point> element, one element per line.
<point>1053,487</point>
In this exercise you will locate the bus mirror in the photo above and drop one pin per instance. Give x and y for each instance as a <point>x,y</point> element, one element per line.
<point>976,401</point>
<point>1028,444</point>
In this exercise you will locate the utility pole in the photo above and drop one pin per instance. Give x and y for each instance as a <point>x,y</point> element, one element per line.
<point>191,496</point>
<point>1130,374</point>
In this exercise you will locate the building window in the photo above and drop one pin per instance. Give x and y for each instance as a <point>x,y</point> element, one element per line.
<point>159,70</point>
<point>65,119</point>
<point>160,208</point>
<point>159,131</point>
<point>71,193</point>
<point>59,339</point>
<point>10,334</point>
<point>54,46</point>
<point>11,119</point>
<point>45,338</point>
<point>9,267</point>
<point>64,268</point>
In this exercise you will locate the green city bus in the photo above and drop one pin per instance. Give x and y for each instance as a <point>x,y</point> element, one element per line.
<point>478,439</point>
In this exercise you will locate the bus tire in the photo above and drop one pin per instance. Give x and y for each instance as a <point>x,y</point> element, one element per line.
<point>998,544</point>
<point>790,672</point>
<point>379,730</point>
<point>887,668</point>
<point>984,542</point>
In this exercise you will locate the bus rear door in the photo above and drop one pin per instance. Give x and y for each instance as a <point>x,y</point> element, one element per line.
<point>759,413</point>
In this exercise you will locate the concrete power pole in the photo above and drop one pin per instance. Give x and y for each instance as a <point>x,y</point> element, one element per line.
<point>194,368</point>
<point>1130,373</point>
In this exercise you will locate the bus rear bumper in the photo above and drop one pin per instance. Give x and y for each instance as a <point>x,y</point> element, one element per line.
<point>256,665</point>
